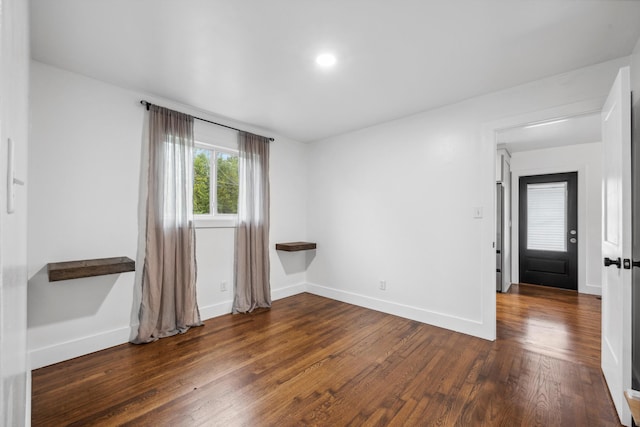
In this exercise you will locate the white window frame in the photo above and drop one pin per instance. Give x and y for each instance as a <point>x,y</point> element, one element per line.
<point>214,219</point>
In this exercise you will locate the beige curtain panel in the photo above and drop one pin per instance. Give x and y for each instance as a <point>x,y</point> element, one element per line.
<point>168,296</point>
<point>252,287</point>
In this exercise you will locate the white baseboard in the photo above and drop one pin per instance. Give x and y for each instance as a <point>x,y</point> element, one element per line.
<point>27,398</point>
<point>591,289</point>
<point>225,307</point>
<point>68,350</point>
<point>288,291</point>
<point>215,310</point>
<point>60,352</point>
<point>79,347</point>
<point>454,323</point>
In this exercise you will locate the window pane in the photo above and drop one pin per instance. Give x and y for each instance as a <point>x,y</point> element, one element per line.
<point>201,181</point>
<point>547,216</point>
<point>227,183</point>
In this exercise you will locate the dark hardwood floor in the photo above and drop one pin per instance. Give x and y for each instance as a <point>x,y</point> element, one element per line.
<point>314,361</point>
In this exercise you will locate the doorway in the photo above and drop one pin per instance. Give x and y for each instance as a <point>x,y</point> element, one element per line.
<point>548,232</point>
<point>515,134</point>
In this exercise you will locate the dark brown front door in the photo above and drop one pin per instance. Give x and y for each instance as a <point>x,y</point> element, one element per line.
<point>548,234</point>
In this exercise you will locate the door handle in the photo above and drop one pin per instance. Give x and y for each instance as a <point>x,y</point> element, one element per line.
<point>609,262</point>
<point>628,264</point>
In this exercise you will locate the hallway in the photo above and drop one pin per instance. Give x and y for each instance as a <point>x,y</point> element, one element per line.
<point>550,321</point>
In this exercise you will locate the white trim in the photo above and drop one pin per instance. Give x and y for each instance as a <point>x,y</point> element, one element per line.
<point>288,291</point>
<point>592,289</point>
<point>489,140</point>
<point>27,397</point>
<point>214,310</point>
<point>45,356</point>
<point>215,147</point>
<point>588,106</point>
<point>215,221</point>
<point>454,323</point>
<point>225,307</point>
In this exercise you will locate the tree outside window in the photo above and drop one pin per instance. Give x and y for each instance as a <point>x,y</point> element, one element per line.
<point>221,198</point>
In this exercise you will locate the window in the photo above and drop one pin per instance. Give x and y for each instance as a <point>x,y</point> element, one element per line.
<point>547,216</point>
<point>215,182</point>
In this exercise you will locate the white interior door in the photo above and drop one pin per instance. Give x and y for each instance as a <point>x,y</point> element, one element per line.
<point>616,242</point>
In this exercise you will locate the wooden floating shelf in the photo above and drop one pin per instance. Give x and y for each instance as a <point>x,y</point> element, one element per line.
<point>89,268</point>
<point>295,246</point>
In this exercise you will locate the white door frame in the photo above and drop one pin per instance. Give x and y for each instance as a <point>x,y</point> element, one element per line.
<point>577,166</point>
<point>489,131</point>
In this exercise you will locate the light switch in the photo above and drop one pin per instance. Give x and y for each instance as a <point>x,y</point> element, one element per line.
<point>477,212</point>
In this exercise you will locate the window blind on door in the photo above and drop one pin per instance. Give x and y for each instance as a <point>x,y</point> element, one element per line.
<point>547,216</point>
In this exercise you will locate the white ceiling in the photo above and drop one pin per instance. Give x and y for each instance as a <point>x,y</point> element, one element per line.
<point>581,129</point>
<point>253,60</point>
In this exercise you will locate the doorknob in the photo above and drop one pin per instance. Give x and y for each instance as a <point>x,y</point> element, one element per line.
<point>627,263</point>
<point>609,262</point>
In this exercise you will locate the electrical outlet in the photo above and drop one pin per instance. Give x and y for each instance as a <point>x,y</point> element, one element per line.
<point>383,285</point>
<point>223,286</point>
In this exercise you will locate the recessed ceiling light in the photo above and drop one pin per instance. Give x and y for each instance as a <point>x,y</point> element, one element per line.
<point>326,60</point>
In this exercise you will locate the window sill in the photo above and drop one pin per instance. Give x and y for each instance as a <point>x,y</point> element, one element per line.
<point>214,222</point>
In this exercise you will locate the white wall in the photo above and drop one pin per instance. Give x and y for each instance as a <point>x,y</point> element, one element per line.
<point>14,81</point>
<point>396,201</point>
<point>392,202</point>
<point>84,173</point>
<point>585,159</point>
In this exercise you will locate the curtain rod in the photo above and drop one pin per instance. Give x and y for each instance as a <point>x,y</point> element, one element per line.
<point>147,104</point>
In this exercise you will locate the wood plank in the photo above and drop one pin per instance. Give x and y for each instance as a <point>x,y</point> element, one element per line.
<point>314,361</point>
<point>295,246</point>
<point>89,268</point>
<point>633,400</point>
